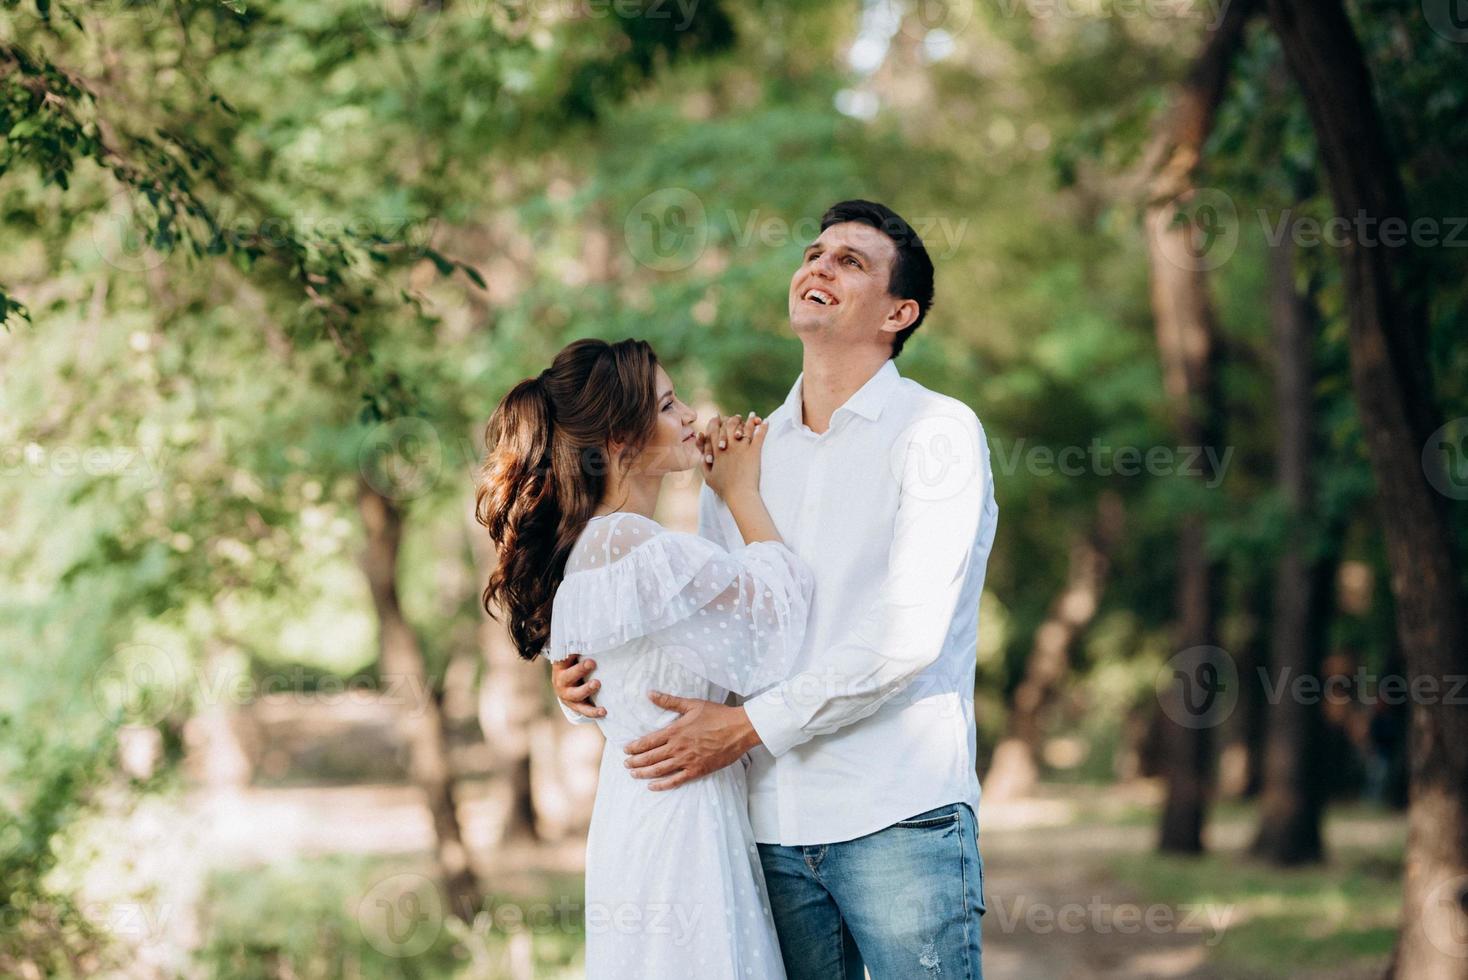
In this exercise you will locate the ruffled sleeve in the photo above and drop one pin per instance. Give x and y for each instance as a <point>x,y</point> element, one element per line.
<point>736,619</point>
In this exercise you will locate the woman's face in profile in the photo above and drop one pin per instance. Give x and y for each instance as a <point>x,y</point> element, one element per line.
<point>672,447</point>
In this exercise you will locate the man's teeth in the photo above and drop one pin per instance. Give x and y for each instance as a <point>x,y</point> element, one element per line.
<point>816,296</point>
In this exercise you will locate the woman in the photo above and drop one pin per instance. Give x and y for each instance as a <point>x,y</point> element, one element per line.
<point>576,459</point>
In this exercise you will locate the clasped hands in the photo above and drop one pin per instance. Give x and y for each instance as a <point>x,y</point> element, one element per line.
<point>707,736</point>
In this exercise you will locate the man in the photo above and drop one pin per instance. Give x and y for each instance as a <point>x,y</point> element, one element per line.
<point>862,784</point>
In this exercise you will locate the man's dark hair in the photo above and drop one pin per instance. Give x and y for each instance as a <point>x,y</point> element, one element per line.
<point>912,270</point>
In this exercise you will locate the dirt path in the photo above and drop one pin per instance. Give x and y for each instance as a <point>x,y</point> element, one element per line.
<point>1055,911</point>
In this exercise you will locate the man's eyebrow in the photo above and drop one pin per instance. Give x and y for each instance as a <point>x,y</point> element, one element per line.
<point>849,248</point>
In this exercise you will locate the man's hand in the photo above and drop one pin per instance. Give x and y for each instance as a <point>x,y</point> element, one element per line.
<point>708,439</point>
<point>569,679</point>
<point>707,738</point>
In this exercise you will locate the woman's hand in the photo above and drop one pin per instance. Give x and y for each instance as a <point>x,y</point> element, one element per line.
<point>734,447</point>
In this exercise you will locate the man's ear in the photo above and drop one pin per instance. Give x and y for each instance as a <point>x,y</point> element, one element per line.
<point>901,316</point>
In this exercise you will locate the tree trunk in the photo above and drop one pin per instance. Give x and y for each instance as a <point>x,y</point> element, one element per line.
<point>420,716</point>
<point>1293,794</point>
<point>1251,718</point>
<point>1015,769</point>
<point>218,754</point>
<point>1187,342</point>
<point>510,700</point>
<point>1391,382</point>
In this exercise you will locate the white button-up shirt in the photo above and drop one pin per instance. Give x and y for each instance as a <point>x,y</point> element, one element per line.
<point>893,508</point>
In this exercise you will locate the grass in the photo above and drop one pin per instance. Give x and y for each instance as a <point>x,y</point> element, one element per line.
<point>1335,917</point>
<point>375,919</point>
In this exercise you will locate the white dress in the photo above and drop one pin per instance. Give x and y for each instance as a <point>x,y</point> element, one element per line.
<point>674,889</point>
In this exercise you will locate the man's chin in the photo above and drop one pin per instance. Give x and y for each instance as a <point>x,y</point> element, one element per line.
<point>804,322</point>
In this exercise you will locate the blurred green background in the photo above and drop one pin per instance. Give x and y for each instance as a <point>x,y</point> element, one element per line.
<point>267,268</point>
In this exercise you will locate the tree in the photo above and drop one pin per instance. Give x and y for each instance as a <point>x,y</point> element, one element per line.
<point>1293,786</point>
<point>1015,768</point>
<point>1186,342</point>
<point>420,714</point>
<point>1389,370</point>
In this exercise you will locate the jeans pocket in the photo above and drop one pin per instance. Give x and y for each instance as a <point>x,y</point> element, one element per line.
<point>942,816</point>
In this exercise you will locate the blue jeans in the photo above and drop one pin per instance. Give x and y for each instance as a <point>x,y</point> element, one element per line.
<point>903,902</point>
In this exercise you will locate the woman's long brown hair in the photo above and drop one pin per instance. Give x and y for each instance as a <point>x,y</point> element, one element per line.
<point>546,465</point>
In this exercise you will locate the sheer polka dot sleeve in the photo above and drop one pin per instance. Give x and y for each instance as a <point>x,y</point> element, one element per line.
<point>734,618</point>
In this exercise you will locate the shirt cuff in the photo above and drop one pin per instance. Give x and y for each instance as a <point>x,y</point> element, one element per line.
<point>774,722</point>
<point>572,716</point>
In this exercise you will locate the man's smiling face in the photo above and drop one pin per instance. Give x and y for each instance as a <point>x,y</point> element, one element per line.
<point>840,288</point>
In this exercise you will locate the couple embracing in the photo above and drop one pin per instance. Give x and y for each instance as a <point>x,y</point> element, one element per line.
<point>788,786</point>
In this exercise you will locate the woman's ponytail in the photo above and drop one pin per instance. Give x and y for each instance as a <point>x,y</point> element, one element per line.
<point>543,473</point>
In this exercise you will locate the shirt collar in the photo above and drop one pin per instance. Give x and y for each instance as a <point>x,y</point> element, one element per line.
<point>868,400</point>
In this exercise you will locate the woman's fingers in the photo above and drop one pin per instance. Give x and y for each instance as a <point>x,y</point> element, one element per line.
<point>733,430</point>
<point>711,437</point>
<point>757,439</point>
